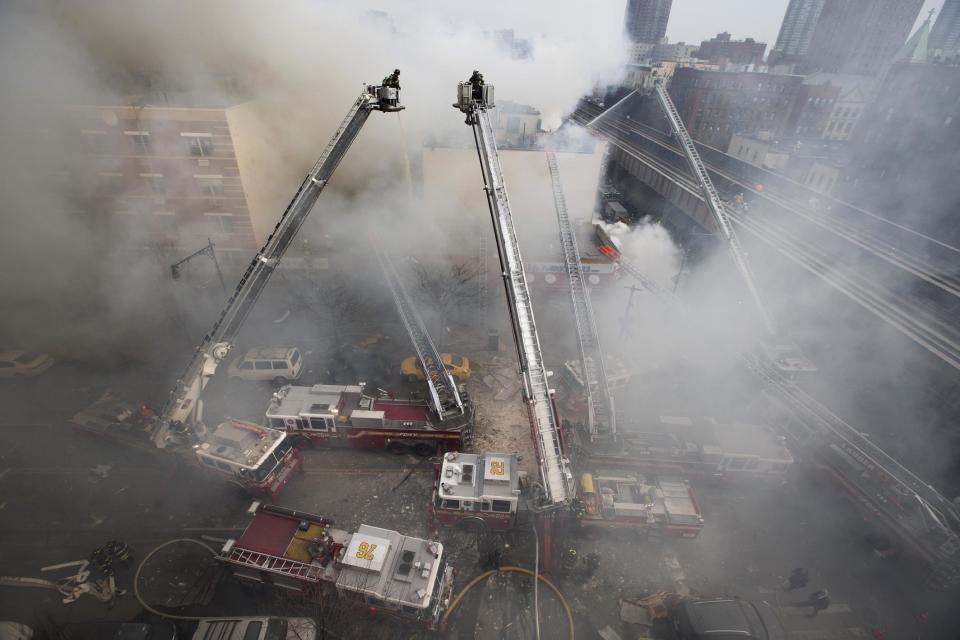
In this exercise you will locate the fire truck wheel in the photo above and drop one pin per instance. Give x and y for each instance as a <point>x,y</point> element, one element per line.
<point>301,442</point>
<point>423,449</point>
<point>395,446</point>
<point>472,525</point>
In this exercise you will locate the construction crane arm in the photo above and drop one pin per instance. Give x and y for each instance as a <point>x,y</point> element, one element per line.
<point>474,98</point>
<point>181,418</point>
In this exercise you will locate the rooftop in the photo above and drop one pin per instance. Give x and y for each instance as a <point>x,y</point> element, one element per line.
<point>460,476</point>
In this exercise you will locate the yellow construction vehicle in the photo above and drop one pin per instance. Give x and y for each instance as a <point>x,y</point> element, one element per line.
<point>458,366</point>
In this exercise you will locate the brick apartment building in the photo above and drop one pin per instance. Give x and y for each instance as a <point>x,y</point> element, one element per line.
<point>717,105</point>
<point>166,178</point>
<point>722,50</point>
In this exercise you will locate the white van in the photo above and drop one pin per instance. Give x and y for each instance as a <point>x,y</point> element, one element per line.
<point>279,365</point>
<point>264,628</point>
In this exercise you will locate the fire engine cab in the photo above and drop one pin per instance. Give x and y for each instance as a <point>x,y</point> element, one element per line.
<point>259,459</point>
<point>378,569</point>
<point>482,489</point>
<point>347,416</point>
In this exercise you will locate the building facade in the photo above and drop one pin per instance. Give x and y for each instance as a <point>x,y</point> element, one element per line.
<point>716,105</point>
<point>165,178</point>
<point>859,36</point>
<point>722,50</point>
<point>945,35</point>
<point>646,20</point>
<point>906,149</point>
<point>796,31</point>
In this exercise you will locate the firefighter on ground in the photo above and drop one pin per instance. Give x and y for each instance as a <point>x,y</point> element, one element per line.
<point>393,80</point>
<point>819,600</point>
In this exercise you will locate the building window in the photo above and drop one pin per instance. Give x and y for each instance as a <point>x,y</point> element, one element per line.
<point>140,140</point>
<point>210,185</point>
<point>199,145</point>
<point>94,141</point>
<point>154,183</point>
<point>220,222</point>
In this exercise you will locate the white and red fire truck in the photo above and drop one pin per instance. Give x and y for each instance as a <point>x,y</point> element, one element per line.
<point>258,459</point>
<point>617,499</point>
<point>380,570</point>
<point>700,446</point>
<point>347,416</point>
<point>483,490</point>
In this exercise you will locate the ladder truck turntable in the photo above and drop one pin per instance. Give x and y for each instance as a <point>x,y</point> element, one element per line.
<point>235,449</point>
<point>375,570</point>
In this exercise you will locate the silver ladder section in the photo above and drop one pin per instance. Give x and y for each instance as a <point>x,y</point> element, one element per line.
<point>554,467</point>
<point>276,564</point>
<point>183,400</point>
<point>601,419</point>
<point>443,388</point>
<point>712,199</point>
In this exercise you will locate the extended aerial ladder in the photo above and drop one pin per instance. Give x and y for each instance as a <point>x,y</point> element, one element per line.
<point>181,419</point>
<point>601,419</point>
<point>712,199</point>
<point>444,393</point>
<point>903,502</point>
<point>474,98</point>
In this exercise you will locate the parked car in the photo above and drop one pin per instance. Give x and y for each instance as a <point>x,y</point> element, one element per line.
<point>262,628</point>
<point>277,365</point>
<point>458,366</point>
<point>119,631</point>
<point>725,619</point>
<point>23,364</point>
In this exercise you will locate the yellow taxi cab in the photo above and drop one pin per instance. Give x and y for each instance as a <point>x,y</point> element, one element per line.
<point>458,366</point>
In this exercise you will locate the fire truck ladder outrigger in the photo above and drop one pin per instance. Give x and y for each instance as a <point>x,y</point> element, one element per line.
<point>474,98</point>
<point>181,419</point>
<point>444,393</point>
<point>601,420</point>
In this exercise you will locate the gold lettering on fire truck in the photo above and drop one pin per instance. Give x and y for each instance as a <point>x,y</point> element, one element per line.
<point>365,551</point>
<point>496,468</point>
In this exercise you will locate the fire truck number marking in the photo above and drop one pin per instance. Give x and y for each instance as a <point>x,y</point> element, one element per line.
<point>365,551</point>
<point>496,468</point>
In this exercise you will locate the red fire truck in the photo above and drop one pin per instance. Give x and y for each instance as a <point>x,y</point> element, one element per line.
<point>380,570</point>
<point>347,416</point>
<point>258,459</point>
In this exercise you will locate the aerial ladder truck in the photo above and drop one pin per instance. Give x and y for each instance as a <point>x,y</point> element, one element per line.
<point>900,501</point>
<point>601,419</point>
<point>179,425</point>
<point>445,395</point>
<point>474,99</point>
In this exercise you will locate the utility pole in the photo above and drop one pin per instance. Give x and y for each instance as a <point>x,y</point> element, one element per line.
<point>625,320</point>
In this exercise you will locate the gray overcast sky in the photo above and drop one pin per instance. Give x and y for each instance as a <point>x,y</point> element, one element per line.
<point>696,20</point>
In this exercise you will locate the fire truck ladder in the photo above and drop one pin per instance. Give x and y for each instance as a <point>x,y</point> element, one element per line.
<point>601,419</point>
<point>474,100</point>
<point>443,388</point>
<point>712,199</point>
<point>268,562</point>
<point>183,410</point>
